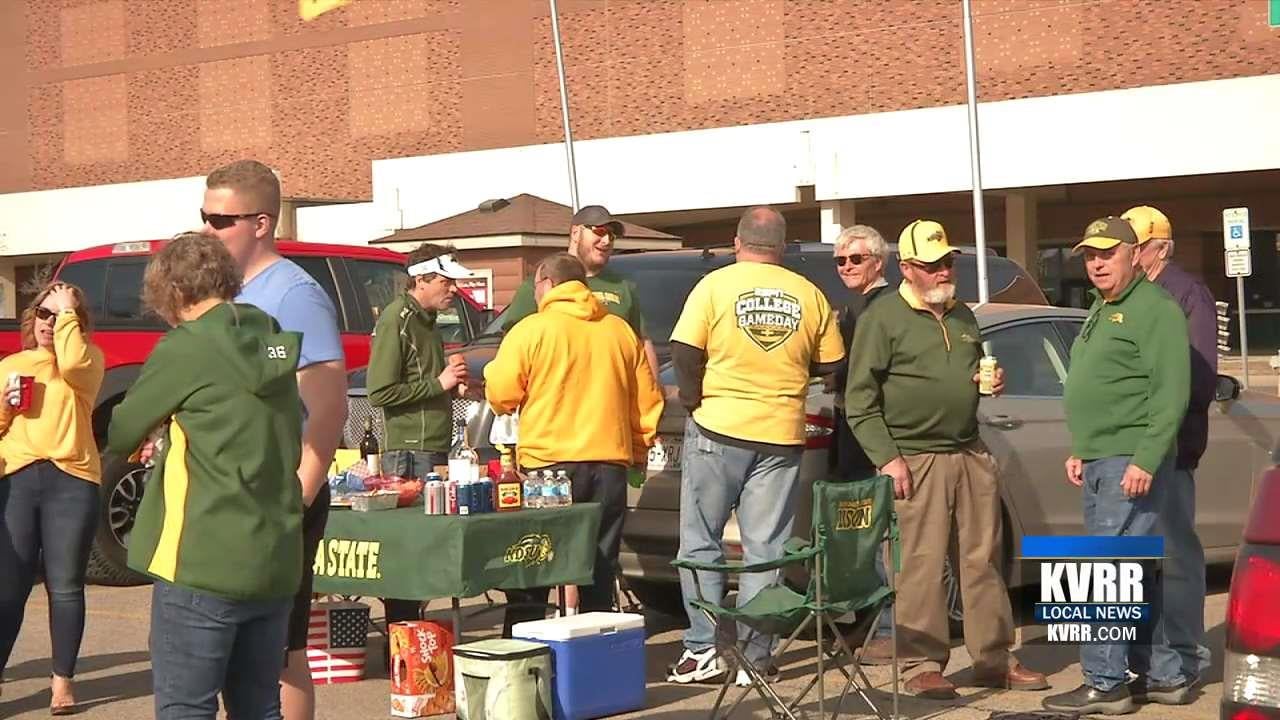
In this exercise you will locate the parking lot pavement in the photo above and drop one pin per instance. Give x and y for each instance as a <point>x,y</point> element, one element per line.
<point>114,677</point>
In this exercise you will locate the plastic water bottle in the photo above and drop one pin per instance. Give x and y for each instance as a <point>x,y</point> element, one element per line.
<point>565,488</point>
<point>532,493</point>
<point>550,498</point>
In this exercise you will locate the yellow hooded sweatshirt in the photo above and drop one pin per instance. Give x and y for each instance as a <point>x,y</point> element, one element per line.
<point>59,425</point>
<point>580,379</point>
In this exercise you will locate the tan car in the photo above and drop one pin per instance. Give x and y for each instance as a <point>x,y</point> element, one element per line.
<point>1025,429</point>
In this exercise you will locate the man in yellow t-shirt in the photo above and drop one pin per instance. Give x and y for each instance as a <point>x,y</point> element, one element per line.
<point>750,337</point>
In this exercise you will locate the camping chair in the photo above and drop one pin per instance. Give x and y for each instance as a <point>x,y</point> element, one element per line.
<point>850,521</point>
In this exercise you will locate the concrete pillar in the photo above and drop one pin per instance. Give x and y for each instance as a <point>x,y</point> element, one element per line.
<point>1022,233</point>
<point>834,216</point>
<point>287,224</point>
<point>8,289</point>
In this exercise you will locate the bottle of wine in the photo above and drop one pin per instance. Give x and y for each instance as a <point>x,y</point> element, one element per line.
<point>369,448</point>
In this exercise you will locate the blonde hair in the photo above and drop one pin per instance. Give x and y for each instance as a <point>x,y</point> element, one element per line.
<point>27,325</point>
<point>869,235</point>
<point>252,181</point>
<point>191,268</point>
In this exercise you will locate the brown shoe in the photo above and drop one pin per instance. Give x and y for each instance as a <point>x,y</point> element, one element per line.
<point>878,652</point>
<point>931,685</point>
<point>1018,677</point>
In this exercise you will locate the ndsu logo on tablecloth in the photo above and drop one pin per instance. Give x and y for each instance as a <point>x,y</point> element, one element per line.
<point>531,550</point>
<point>768,316</point>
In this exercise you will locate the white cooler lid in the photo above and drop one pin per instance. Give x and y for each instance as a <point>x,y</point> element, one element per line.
<point>575,626</point>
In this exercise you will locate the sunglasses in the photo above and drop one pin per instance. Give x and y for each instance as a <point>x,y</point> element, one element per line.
<point>945,261</point>
<point>851,259</point>
<point>601,230</point>
<point>44,313</point>
<point>219,221</point>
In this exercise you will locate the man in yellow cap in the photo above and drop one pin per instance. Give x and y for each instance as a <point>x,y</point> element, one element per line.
<point>1125,395</point>
<point>912,403</point>
<point>1184,586</point>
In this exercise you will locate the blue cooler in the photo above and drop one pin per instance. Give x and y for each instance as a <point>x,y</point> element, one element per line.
<point>598,660</point>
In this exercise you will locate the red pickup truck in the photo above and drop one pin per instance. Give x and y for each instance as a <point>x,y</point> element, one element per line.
<point>359,280</point>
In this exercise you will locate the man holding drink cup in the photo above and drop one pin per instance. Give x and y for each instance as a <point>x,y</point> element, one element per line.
<point>912,402</point>
<point>411,381</point>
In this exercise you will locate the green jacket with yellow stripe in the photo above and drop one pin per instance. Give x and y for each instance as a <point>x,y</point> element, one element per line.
<point>222,513</point>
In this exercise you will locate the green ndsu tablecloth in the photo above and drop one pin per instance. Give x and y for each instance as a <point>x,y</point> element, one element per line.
<point>410,555</point>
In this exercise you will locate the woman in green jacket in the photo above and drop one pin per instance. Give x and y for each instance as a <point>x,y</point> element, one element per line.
<point>219,529</point>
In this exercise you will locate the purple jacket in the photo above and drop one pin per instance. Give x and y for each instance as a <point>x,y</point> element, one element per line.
<point>1197,304</point>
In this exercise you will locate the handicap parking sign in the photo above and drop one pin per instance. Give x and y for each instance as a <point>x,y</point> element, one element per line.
<point>1237,232</point>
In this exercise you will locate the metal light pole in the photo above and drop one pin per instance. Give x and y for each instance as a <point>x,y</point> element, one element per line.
<point>564,109</point>
<point>975,155</point>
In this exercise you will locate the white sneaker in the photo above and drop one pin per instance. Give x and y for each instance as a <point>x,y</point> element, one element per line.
<point>696,667</point>
<point>744,680</point>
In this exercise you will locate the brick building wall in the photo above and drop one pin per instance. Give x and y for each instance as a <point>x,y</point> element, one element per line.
<point>110,91</point>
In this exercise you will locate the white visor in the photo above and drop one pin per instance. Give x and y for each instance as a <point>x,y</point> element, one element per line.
<point>444,265</point>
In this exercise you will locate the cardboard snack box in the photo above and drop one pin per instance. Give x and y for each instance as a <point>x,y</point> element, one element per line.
<point>421,669</point>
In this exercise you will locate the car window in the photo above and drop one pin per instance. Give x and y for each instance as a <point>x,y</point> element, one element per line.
<point>378,283</point>
<point>123,302</point>
<point>661,292</point>
<point>1069,329</point>
<point>91,277</point>
<point>318,269</point>
<point>1034,362</point>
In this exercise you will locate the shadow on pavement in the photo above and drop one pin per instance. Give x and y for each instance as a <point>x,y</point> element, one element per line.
<point>41,667</point>
<point>91,693</point>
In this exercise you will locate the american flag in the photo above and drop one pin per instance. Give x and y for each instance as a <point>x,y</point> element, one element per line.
<point>336,642</point>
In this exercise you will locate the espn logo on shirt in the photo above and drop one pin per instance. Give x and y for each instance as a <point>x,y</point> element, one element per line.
<point>1092,590</point>
<point>768,316</point>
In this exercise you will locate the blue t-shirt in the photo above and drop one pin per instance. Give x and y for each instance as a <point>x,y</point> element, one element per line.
<point>287,293</point>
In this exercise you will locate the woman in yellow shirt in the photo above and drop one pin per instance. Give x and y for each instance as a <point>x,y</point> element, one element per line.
<point>49,477</point>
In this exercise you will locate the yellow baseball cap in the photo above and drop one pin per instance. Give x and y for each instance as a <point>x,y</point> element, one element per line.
<point>1148,223</point>
<point>1106,233</point>
<point>923,241</point>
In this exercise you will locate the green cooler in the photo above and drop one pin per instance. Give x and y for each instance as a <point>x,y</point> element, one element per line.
<point>502,680</point>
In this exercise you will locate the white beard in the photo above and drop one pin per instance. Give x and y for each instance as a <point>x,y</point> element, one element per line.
<point>940,295</point>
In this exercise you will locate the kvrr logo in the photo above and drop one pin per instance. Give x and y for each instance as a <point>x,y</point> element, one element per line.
<point>1096,582</point>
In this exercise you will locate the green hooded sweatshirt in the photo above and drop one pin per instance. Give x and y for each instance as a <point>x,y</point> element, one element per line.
<point>406,358</point>
<point>222,513</point>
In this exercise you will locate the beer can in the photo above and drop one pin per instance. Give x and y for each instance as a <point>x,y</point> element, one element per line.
<point>486,495</point>
<point>433,497</point>
<point>465,497</point>
<point>450,497</point>
<point>987,374</point>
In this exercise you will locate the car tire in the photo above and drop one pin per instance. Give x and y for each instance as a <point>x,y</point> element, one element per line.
<point>122,486</point>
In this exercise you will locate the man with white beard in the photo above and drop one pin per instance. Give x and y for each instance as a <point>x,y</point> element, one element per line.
<point>912,403</point>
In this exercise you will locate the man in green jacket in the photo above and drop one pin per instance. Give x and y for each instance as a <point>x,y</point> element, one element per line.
<point>220,527</point>
<point>592,232</point>
<point>409,379</point>
<point>1126,393</point>
<point>912,403</point>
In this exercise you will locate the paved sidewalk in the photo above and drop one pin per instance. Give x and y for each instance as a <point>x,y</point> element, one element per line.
<point>115,680</point>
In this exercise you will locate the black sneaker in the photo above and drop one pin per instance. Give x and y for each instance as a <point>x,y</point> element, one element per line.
<point>1179,694</point>
<point>1087,700</point>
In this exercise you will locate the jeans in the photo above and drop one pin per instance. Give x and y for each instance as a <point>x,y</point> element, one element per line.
<point>604,483</point>
<point>884,626</point>
<point>412,464</point>
<point>715,480</point>
<point>45,510</point>
<point>1184,586</point>
<point>1107,511</point>
<point>202,644</point>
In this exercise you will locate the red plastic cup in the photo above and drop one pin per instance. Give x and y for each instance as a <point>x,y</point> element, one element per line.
<point>26,386</point>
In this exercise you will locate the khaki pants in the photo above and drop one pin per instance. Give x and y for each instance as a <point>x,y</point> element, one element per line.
<point>956,493</point>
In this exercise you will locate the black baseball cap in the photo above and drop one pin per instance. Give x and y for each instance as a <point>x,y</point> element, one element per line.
<point>596,216</point>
